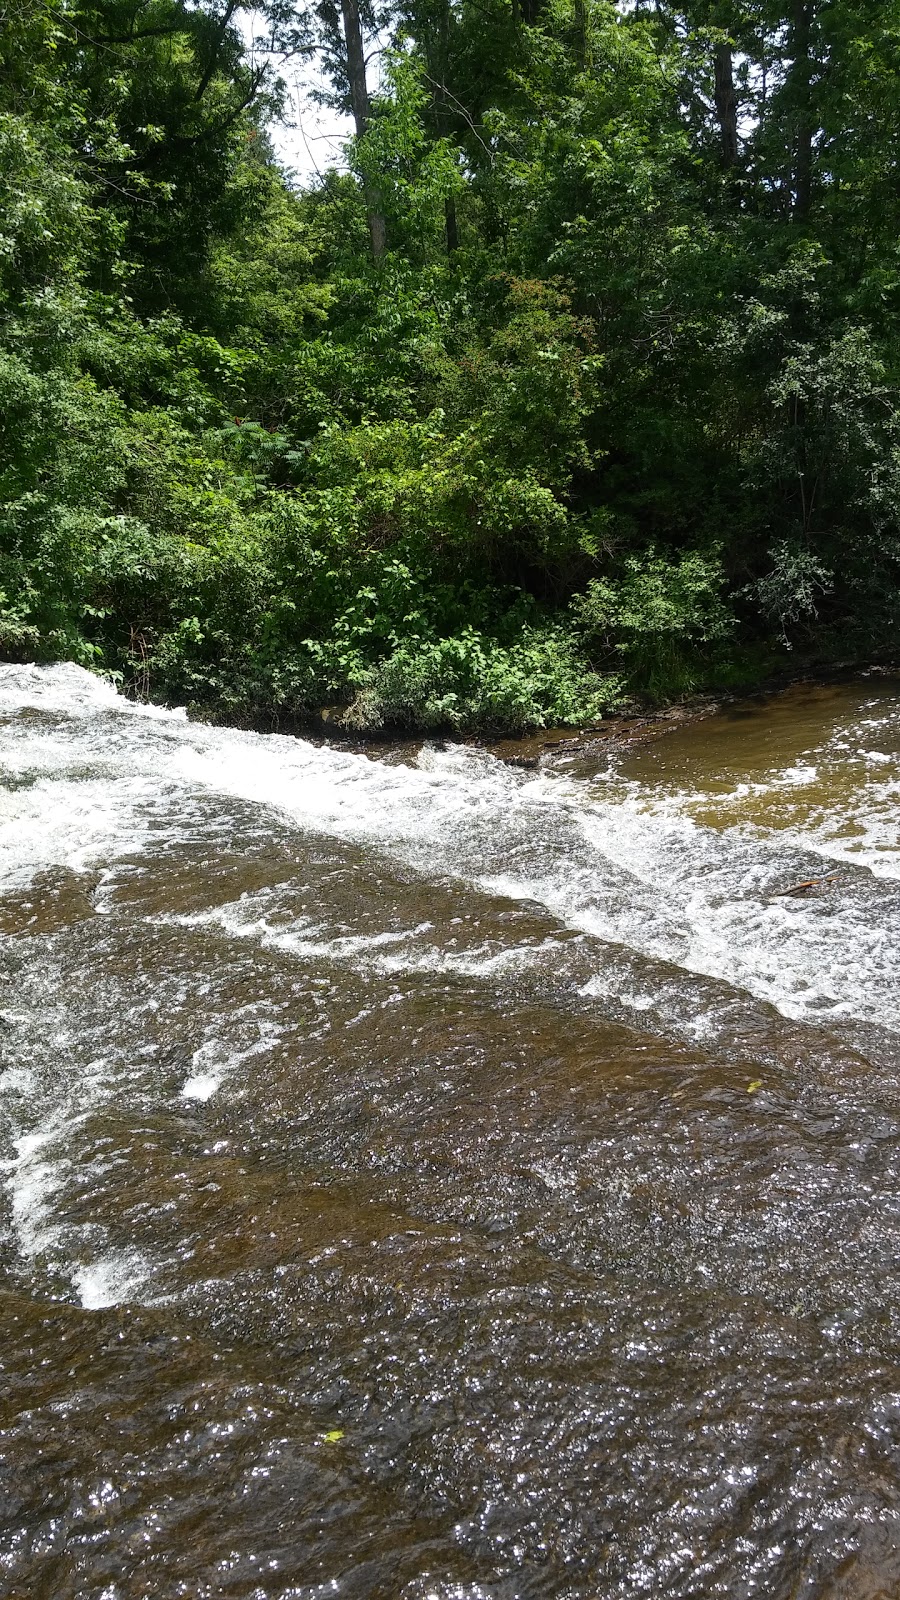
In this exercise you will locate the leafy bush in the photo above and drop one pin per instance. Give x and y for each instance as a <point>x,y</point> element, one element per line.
<point>470,681</point>
<point>657,618</point>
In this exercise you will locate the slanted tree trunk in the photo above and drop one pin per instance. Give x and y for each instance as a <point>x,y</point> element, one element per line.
<point>359,103</point>
<point>726,104</point>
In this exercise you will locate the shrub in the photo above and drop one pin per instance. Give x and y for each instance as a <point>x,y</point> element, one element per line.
<point>472,682</point>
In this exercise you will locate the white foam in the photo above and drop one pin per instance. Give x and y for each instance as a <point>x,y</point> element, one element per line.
<point>633,866</point>
<point>34,1176</point>
<point>63,688</point>
<point>38,1176</point>
<point>70,691</point>
<point>202,1086</point>
<point>69,824</point>
<point>110,1281</point>
<point>219,1060</point>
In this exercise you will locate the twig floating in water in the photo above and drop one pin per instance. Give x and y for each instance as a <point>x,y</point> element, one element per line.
<point>806,887</point>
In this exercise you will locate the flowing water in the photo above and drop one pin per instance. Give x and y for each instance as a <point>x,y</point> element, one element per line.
<point>432,1180</point>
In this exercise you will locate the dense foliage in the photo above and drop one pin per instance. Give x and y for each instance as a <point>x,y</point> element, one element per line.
<point>579,383</point>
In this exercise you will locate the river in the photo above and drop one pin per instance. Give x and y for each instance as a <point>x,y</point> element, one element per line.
<point>426,1179</point>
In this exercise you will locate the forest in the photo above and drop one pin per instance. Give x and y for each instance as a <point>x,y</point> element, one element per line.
<point>574,386</point>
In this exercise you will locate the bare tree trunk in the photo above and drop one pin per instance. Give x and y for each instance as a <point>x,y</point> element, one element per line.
<point>377,224</point>
<point>359,102</point>
<point>726,104</point>
<point>801,73</point>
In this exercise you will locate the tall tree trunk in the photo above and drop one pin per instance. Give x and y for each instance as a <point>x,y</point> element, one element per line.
<point>581,25</point>
<point>726,104</point>
<point>802,75</point>
<point>450,224</point>
<point>437,56</point>
<point>359,103</point>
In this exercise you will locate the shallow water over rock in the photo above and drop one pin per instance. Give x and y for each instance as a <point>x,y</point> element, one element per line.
<point>431,1179</point>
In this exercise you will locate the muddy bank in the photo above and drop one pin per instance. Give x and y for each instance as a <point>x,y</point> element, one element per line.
<point>528,750</point>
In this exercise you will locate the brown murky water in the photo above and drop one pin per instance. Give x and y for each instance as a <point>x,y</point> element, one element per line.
<point>434,1181</point>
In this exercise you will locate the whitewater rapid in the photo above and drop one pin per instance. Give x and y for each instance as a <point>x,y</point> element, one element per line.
<point>99,781</point>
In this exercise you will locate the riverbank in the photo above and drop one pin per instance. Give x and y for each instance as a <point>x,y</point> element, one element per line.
<point>642,727</point>
<point>534,747</point>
